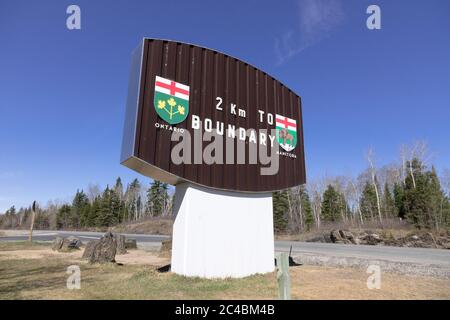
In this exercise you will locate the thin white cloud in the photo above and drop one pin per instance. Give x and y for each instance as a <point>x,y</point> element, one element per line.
<point>317,19</point>
<point>10,174</point>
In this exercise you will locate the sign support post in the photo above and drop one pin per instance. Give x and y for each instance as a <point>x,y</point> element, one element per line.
<point>219,234</point>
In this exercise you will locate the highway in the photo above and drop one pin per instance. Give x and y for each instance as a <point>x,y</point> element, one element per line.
<point>421,256</point>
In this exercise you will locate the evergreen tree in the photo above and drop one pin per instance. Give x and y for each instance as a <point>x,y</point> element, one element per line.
<point>368,202</point>
<point>10,214</point>
<point>109,210</point>
<point>388,203</point>
<point>399,199</point>
<point>118,188</point>
<point>417,197</point>
<point>280,208</point>
<point>79,212</point>
<point>157,198</point>
<point>63,217</point>
<point>306,207</point>
<point>438,211</point>
<point>94,212</point>
<point>331,205</point>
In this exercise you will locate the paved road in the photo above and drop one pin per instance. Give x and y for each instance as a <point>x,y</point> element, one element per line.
<point>84,236</point>
<point>394,254</point>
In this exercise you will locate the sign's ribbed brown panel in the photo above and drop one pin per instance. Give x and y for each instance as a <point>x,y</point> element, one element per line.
<point>210,74</point>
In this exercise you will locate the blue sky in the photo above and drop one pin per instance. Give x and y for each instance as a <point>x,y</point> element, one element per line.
<point>62,92</point>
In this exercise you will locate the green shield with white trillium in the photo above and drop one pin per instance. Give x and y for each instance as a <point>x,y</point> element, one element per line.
<point>286,132</point>
<point>171,100</point>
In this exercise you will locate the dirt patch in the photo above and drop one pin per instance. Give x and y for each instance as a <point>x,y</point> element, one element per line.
<point>141,257</point>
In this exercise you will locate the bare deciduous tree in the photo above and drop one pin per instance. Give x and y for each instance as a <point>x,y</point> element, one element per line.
<point>373,171</point>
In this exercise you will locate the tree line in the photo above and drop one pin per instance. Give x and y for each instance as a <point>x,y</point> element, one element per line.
<point>408,192</point>
<point>97,208</point>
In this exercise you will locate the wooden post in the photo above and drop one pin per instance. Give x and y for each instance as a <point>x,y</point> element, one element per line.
<point>33,214</point>
<point>283,278</point>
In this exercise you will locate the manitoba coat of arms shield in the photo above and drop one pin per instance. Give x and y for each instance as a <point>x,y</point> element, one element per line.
<point>286,132</point>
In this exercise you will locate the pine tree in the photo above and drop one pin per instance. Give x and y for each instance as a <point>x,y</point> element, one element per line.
<point>368,202</point>
<point>280,208</point>
<point>157,198</point>
<point>388,203</point>
<point>307,209</point>
<point>118,188</point>
<point>417,197</point>
<point>63,217</point>
<point>78,214</point>
<point>94,212</point>
<point>109,209</point>
<point>438,211</point>
<point>399,199</point>
<point>331,205</point>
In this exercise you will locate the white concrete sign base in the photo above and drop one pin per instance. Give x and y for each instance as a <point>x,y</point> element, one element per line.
<point>220,234</point>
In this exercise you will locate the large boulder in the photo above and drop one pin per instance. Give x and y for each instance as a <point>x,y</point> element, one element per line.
<point>66,244</point>
<point>57,243</point>
<point>342,236</point>
<point>89,250</point>
<point>335,236</point>
<point>371,239</point>
<point>348,237</point>
<point>71,243</point>
<point>120,243</point>
<point>105,250</point>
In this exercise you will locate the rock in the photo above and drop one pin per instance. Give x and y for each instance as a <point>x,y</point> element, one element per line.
<point>347,236</point>
<point>70,243</point>
<point>57,243</point>
<point>336,237</point>
<point>120,243</point>
<point>342,236</point>
<point>89,250</point>
<point>66,244</point>
<point>105,250</point>
<point>372,239</point>
<point>130,244</point>
<point>446,245</point>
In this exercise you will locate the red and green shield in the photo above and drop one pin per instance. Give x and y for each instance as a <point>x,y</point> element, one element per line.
<point>171,100</point>
<point>286,132</point>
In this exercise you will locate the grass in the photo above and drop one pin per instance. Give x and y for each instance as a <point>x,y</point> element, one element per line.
<point>36,272</point>
<point>23,245</point>
<point>46,278</point>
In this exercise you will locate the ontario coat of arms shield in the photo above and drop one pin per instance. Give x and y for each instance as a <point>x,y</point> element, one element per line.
<point>171,100</point>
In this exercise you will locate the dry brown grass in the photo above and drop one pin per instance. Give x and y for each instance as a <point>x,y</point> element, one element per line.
<point>312,282</point>
<point>151,226</point>
<point>36,272</point>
